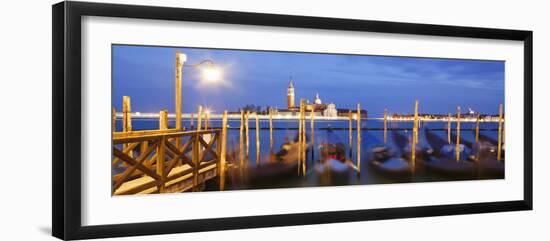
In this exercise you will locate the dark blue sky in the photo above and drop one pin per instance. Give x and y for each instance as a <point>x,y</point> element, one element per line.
<point>147,74</point>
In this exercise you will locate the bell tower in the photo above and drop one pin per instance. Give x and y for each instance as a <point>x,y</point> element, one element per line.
<point>290,95</point>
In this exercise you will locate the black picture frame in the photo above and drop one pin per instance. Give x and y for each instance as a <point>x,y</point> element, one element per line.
<point>66,169</point>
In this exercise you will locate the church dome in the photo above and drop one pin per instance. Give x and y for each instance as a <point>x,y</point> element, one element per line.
<point>317,99</point>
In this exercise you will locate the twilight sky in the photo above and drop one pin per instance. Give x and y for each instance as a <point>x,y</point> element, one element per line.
<point>147,74</point>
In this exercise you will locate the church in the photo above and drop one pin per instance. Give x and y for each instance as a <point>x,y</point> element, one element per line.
<point>317,106</point>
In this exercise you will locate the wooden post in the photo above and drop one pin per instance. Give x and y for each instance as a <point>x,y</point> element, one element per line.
<point>449,130</point>
<point>198,144</point>
<point>160,164</point>
<point>499,144</point>
<point>241,142</point>
<point>300,136</point>
<point>126,114</point>
<point>113,120</point>
<point>257,140</point>
<point>223,151</point>
<point>312,126</point>
<point>385,126</point>
<point>304,140</point>
<point>199,118</point>
<point>163,120</point>
<point>350,133</point>
<point>247,130</point>
<point>192,124</point>
<point>457,148</point>
<point>206,119</point>
<point>270,130</point>
<point>127,119</point>
<point>195,158</point>
<point>415,130</point>
<point>359,138</point>
<point>477,128</point>
<point>180,59</point>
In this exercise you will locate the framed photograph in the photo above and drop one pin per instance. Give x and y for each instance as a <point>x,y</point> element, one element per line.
<point>169,120</point>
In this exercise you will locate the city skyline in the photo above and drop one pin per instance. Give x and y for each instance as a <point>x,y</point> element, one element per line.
<point>260,78</point>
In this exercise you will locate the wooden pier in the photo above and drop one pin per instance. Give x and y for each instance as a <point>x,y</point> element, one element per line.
<point>166,160</point>
<point>154,168</point>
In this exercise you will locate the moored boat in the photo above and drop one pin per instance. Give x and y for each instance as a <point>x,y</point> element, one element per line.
<point>442,158</point>
<point>384,161</point>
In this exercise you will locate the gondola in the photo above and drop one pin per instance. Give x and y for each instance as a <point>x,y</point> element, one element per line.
<point>280,166</point>
<point>491,145</point>
<point>403,144</point>
<point>486,158</point>
<point>384,161</point>
<point>334,168</point>
<point>443,160</point>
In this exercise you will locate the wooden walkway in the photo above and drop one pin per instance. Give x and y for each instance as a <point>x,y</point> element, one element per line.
<point>163,161</point>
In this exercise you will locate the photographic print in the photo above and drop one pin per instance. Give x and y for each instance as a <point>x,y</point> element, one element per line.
<point>203,119</point>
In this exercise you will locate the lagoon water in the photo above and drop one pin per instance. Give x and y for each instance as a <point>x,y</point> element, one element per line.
<point>372,135</point>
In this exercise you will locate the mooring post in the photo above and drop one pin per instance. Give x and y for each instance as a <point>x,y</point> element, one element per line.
<point>113,119</point>
<point>199,118</point>
<point>414,140</point>
<point>457,148</point>
<point>477,128</point>
<point>499,144</point>
<point>350,133</point>
<point>385,126</point>
<point>163,120</point>
<point>206,119</point>
<point>449,129</point>
<point>127,120</point>
<point>300,136</point>
<point>247,130</point>
<point>241,144</point>
<point>126,114</point>
<point>223,151</point>
<point>312,134</point>
<point>304,139</point>
<point>199,127</point>
<point>359,138</point>
<point>258,161</point>
<point>270,130</point>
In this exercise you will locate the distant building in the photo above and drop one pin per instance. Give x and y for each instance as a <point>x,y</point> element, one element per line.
<point>290,95</point>
<point>317,106</point>
<point>330,111</point>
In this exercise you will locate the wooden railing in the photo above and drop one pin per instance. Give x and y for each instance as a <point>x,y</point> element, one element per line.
<point>152,162</point>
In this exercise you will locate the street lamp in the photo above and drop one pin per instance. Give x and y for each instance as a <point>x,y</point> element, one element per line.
<point>210,74</point>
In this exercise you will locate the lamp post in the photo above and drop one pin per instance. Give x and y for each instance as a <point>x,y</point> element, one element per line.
<point>209,73</point>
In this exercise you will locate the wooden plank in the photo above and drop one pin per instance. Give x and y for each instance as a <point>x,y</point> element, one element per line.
<point>180,174</point>
<point>122,140</point>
